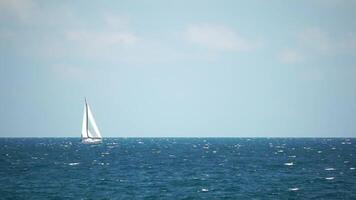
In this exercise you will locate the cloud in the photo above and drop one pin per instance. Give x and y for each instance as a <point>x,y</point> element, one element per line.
<point>216,37</point>
<point>313,74</point>
<point>103,38</point>
<point>290,56</point>
<point>349,44</point>
<point>114,32</point>
<point>315,39</point>
<point>18,9</point>
<point>116,22</point>
<point>318,41</point>
<point>68,71</point>
<point>6,34</point>
<point>333,3</point>
<point>353,71</point>
<point>111,38</point>
<point>352,45</point>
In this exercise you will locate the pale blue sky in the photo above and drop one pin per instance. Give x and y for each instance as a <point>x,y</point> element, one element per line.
<point>179,68</point>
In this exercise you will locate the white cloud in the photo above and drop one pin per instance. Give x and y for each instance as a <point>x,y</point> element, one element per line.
<point>352,45</point>
<point>290,56</point>
<point>354,72</point>
<point>6,34</point>
<point>315,39</point>
<point>333,3</point>
<point>103,38</point>
<point>19,9</point>
<point>349,44</point>
<point>216,37</point>
<point>116,22</point>
<point>69,71</point>
<point>107,41</point>
<point>313,74</point>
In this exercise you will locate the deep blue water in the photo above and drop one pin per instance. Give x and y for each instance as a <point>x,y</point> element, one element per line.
<point>178,168</point>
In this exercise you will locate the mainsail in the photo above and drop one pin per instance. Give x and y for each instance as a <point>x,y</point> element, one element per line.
<point>89,127</point>
<point>85,123</point>
<point>96,132</point>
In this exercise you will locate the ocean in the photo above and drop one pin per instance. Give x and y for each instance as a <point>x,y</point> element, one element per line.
<point>178,168</point>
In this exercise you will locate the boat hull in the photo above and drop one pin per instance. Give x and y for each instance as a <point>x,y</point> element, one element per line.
<point>91,141</point>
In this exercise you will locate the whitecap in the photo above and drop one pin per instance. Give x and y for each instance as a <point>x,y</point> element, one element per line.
<point>320,151</point>
<point>329,178</point>
<point>293,189</point>
<point>204,190</point>
<point>330,169</point>
<point>289,164</point>
<point>352,168</point>
<point>292,156</point>
<point>73,163</point>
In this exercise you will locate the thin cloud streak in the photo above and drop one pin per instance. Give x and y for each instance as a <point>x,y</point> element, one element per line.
<point>290,56</point>
<point>216,37</point>
<point>102,39</point>
<point>315,39</point>
<point>18,9</point>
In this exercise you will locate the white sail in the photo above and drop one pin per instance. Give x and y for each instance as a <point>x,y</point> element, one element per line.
<point>96,133</point>
<point>90,131</point>
<point>84,125</point>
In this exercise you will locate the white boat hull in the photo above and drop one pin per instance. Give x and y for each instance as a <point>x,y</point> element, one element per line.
<point>91,141</point>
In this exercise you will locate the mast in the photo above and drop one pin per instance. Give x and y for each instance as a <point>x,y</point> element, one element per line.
<point>86,109</point>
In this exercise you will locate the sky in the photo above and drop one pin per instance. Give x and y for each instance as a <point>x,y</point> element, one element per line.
<point>161,68</point>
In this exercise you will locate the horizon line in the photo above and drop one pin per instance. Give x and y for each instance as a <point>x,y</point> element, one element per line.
<point>232,137</point>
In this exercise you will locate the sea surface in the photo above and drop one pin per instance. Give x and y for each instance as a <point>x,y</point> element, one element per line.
<point>178,168</point>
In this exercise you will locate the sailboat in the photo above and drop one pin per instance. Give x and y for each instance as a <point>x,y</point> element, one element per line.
<point>90,131</point>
